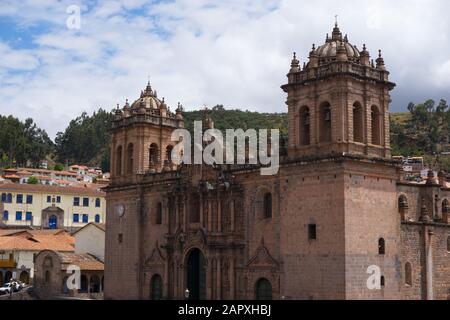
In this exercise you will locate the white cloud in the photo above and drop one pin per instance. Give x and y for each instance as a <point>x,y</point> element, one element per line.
<point>231,52</point>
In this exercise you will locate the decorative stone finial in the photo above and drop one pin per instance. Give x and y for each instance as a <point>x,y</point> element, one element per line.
<point>380,61</point>
<point>295,64</point>
<point>337,34</point>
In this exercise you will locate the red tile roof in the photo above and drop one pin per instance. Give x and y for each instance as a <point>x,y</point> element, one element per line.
<point>37,241</point>
<point>85,261</point>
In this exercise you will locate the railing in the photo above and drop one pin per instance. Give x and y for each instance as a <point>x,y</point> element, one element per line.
<point>145,118</point>
<point>338,68</point>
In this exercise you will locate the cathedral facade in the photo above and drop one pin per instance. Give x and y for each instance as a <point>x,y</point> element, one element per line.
<point>336,222</point>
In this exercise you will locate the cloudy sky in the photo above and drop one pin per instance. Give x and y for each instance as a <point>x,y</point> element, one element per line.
<point>199,52</point>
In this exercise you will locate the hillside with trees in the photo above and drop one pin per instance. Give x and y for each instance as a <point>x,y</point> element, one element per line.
<point>22,143</point>
<point>85,140</point>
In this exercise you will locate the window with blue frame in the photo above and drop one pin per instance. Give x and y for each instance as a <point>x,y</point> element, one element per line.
<point>85,218</point>
<point>49,199</point>
<point>19,198</point>
<point>76,217</point>
<point>9,198</point>
<point>97,202</point>
<point>5,215</point>
<point>85,202</point>
<point>3,197</point>
<point>29,216</point>
<point>29,199</point>
<point>58,199</point>
<point>76,201</point>
<point>19,216</point>
<point>97,218</point>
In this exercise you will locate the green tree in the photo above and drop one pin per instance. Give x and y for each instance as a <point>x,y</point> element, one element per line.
<point>58,167</point>
<point>32,180</point>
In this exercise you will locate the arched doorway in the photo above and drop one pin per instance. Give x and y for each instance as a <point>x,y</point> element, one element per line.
<point>83,284</point>
<point>196,275</point>
<point>53,222</point>
<point>24,277</point>
<point>156,287</point>
<point>263,289</point>
<point>95,284</point>
<point>8,276</point>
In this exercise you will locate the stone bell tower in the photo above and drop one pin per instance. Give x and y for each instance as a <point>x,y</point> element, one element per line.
<point>338,101</point>
<point>141,136</point>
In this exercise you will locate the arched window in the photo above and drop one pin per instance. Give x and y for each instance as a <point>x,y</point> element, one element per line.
<point>403,207</point>
<point>305,126</point>
<point>154,155</point>
<point>358,116</point>
<point>3,197</point>
<point>119,161</point>
<point>5,215</point>
<point>47,276</point>
<point>97,202</point>
<point>381,246</point>
<point>267,205</point>
<point>376,126</point>
<point>169,150</point>
<point>9,198</point>
<point>97,218</point>
<point>156,287</point>
<point>408,274</point>
<point>325,122</point>
<point>263,289</point>
<point>130,158</point>
<point>159,214</point>
<point>445,210</point>
<point>194,216</point>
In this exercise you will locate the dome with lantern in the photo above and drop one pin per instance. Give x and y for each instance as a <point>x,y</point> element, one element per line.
<point>337,43</point>
<point>148,99</point>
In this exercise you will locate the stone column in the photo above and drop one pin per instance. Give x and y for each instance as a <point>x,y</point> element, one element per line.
<point>209,215</point>
<point>166,279</point>
<point>219,279</point>
<point>185,217</point>
<point>219,215</point>
<point>232,218</point>
<point>429,263</point>
<point>201,210</point>
<point>232,281</point>
<point>209,293</point>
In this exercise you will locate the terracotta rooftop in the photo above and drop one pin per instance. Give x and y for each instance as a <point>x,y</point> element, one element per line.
<point>72,190</point>
<point>85,261</point>
<point>29,240</point>
<point>66,173</point>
